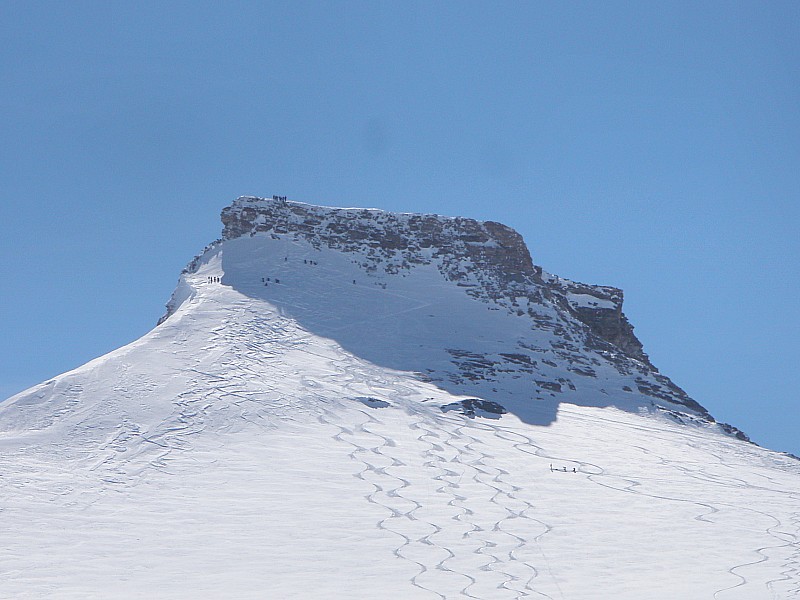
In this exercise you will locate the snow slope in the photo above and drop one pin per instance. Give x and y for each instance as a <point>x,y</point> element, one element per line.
<point>298,430</point>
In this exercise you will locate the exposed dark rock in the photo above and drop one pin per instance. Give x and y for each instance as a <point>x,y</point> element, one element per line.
<point>549,385</point>
<point>585,371</point>
<point>520,359</point>
<point>664,389</point>
<point>476,408</point>
<point>734,431</point>
<point>373,402</point>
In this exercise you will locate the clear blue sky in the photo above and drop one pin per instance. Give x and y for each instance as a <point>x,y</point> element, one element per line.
<point>651,146</point>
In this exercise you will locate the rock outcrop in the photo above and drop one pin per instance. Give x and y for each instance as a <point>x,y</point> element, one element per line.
<point>488,258</point>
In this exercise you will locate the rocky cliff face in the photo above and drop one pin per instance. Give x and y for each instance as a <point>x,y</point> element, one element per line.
<point>467,250</point>
<point>585,326</point>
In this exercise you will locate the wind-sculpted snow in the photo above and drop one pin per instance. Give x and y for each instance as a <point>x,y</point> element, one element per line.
<point>302,428</point>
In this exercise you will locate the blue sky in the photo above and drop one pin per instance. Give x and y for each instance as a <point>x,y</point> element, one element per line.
<point>650,146</point>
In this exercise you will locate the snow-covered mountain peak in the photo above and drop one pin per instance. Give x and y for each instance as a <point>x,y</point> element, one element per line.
<point>456,301</point>
<point>489,258</point>
<point>348,403</point>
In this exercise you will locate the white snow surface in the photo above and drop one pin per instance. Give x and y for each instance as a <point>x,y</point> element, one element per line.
<point>287,441</point>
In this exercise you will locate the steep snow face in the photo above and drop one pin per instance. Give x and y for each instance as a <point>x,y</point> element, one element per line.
<point>304,426</point>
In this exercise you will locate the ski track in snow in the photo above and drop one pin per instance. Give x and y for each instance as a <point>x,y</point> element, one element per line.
<point>597,473</point>
<point>731,483</point>
<point>388,487</point>
<point>791,575</point>
<point>450,449</point>
<point>496,546</point>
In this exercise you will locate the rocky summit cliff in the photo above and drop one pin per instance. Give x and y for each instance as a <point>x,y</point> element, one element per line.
<point>570,341</point>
